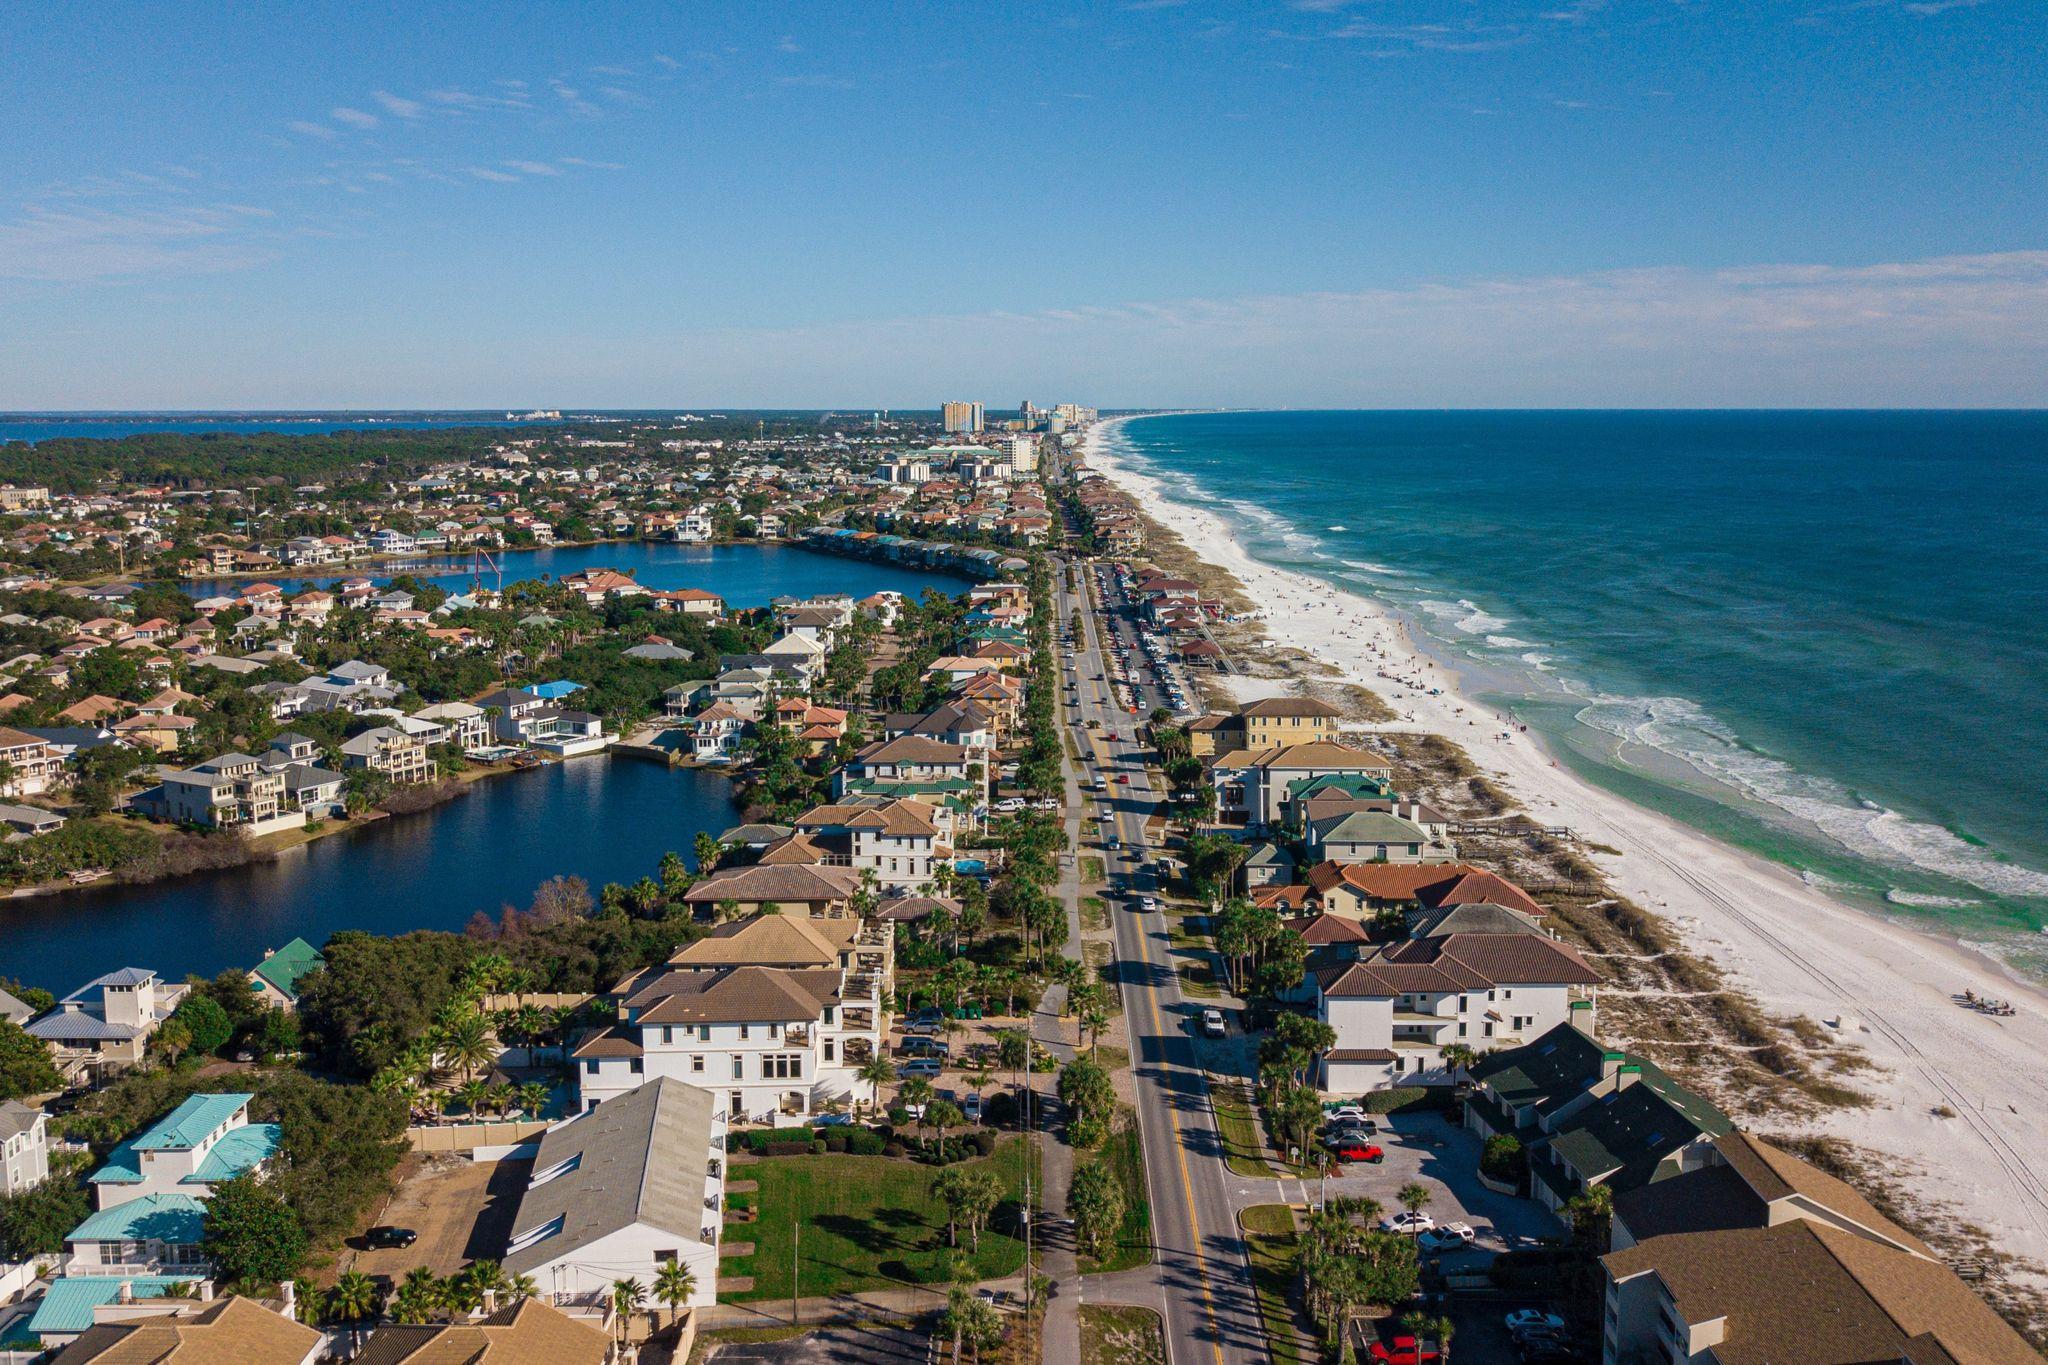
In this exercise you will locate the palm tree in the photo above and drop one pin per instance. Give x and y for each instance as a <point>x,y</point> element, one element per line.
<point>1413,1196</point>
<point>353,1299</point>
<point>674,1285</point>
<point>420,1295</point>
<point>1590,1211</point>
<point>629,1296</point>
<point>877,1071</point>
<point>521,1287</point>
<point>1458,1057</point>
<point>466,1044</point>
<point>473,1094</point>
<point>980,1078</point>
<point>533,1097</point>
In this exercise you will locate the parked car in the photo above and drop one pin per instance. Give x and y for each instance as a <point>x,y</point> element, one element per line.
<point>1449,1237</point>
<point>1335,1136</point>
<point>922,1066</point>
<point>385,1236</point>
<point>1530,1319</point>
<point>1405,1350</point>
<point>1371,1153</point>
<point>1010,805</point>
<point>1345,1113</point>
<point>1212,1019</point>
<point>926,1047</point>
<point>926,1020</point>
<point>1545,1348</point>
<point>1405,1221</point>
<point>971,1107</point>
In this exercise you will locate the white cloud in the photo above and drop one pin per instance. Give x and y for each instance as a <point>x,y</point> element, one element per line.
<point>354,118</point>
<point>534,167</point>
<point>398,105</point>
<point>486,173</point>
<point>307,129</point>
<point>97,245</point>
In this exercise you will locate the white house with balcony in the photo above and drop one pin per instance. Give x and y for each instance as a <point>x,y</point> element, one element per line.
<point>899,840</point>
<point>24,1147</point>
<point>773,1014</point>
<point>1396,1009</point>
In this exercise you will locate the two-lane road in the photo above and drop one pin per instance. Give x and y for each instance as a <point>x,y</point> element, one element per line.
<point>1200,1273</point>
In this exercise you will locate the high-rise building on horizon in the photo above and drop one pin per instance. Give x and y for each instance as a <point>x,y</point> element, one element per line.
<point>962,419</point>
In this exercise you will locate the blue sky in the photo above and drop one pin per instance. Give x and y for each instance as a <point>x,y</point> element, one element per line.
<point>1391,202</point>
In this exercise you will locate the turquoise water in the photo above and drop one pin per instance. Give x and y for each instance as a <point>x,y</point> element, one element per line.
<point>1819,635</point>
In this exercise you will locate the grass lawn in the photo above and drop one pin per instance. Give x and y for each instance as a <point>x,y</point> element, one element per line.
<point>1094,914</point>
<point>1238,1124</point>
<point>1270,1242</point>
<point>1193,954</point>
<point>1091,869</point>
<point>869,1222</point>
<point>1126,1156</point>
<point>1113,1335</point>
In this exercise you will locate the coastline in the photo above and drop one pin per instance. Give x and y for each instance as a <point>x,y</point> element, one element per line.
<point>1795,950</point>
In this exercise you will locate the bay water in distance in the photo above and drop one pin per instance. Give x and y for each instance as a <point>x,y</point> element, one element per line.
<point>1817,635</point>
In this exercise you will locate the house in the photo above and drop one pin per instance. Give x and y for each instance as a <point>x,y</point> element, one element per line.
<point>966,724</point>
<point>909,759</point>
<point>619,1191</point>
<point>900,841</point>
<point>1367,888</point>
<point>162,733</point>
<point>276,978</point>
<point>24,1147</point>
<point>1368,836</point>
<point>206,1141</point>
<point>224,792</point>
<point>465,723</point>
<point>658,649</point>
<point>105,1024</point>
<point>307,787</point>
<point>815,891</point>
<point>526,1330</point>
<point>776,1013</point>
<point>154,1235</point>
<point>25,822</point>
<point>31,764</point>
<point>1252,785</point>
<point>1397,1008</point>
<point>1589,1115</point>
<point>71,1306</point>
<point>1269,723</point>
<point>715,733</point>
<point>165,1330</point>
<point>1823,1285</point>
<point>401,757</point>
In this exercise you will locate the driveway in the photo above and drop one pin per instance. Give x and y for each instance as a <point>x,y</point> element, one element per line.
<point>462,1210</point>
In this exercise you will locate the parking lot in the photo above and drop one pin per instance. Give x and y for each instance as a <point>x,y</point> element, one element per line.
<point>462,1211</point>
<point>1445,1158</point>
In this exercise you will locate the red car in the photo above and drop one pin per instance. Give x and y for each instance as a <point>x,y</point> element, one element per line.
<point>1404,1351</point>
<point>1360,1151</point>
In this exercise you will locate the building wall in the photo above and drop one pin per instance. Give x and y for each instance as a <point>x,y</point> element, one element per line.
<point>25,1160</point>
<point>630,1253</point>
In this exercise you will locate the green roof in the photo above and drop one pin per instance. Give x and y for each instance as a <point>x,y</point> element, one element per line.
<point>189,1124</point>
<point>1625,1135</point>
<point>1351,784</point>
<point>242,1149</point>
<point>177,1219</point>
<point>1545,1072</point>
<point>283,968</point>
<point>67,1305</point>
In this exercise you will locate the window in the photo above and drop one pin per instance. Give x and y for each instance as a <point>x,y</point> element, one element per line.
<point>590,1067</point>
<point>636,1066</point>
<point>697,1064</point>
<point>703,1033</point>
<point>738,1071</point>
<point>782,1066</point>
<point>560,1168</point>
<point>668,1035</point>
<point>829,1048</point>
<point>745,1031</point>
<point>665,1256</point>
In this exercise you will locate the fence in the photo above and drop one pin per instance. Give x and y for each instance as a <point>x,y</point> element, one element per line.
<point>464,1137</point>
<point>560,1000</point>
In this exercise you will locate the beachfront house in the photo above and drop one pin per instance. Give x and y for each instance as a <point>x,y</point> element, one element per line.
<point>1269,723</point>
<point>1397,1008</point>
<point>909,759</point>
<point>385,749</point>
<point>1253,785</point>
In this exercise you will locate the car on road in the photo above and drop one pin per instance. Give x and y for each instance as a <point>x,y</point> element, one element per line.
<point>1148,904</point>
<point>1111,841</point>
<point>384,1236</point>
<point>1406,1221</point>
<point>1371,1153</point>
<point>1449,1237</point>
<point>1212,1019</point>
<point>1123,779</point>
<point>1404,1350</point>
<point>922,1066</point>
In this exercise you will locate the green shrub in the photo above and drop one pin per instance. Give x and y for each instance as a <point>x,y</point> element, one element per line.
<point>1411,1099</point>
<point>984,1142</point>
<point>787,1149</point>
<point>1503,1159</point>
<point>862,1142</point>
<point>819,1146</point>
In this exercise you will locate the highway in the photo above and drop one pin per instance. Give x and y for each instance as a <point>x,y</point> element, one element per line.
<point>1200,1278</point>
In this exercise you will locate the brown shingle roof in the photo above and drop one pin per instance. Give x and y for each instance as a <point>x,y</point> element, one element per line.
<point>525,1333</point>
<point>230,1329</point>
<point>1384,881</point>
<point>741,995</point>
<point>771,941</point>
<point>759,885</point>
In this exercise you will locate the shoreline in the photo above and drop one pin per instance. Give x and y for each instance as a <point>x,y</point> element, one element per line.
<point>1794,949</point>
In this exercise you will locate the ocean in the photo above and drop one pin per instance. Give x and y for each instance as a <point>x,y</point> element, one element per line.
<point>1821,636</point>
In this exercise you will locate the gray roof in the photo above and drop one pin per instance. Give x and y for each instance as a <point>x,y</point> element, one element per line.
<point>638,1158</point>
<point>1370,827</point>
<point>356,670</point>
<point>1473,919</point>
<point>16,1118</point>
<point>126,976</point>
<point>657,651</point>
<point>11,1007</point>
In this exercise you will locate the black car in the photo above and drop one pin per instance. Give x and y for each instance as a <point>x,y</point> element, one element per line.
<point>386,1236</point>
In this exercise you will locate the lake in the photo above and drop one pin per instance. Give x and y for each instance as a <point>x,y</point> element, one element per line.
<point>745,575</point>
<point>602,818</point>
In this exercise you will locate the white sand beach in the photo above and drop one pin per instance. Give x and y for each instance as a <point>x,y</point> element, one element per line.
<point>1794,949</point>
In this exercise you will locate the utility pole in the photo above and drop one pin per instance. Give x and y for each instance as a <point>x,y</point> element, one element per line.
<point>796,1235</point>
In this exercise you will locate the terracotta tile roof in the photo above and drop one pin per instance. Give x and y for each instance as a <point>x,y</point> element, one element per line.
<point>771,941</point>
<point>1327,928</point>
<point>1461,962</point>
<point>798,850</point>
<point>759,885</point>
<point>1385,881</point>
<point>1320,754</point>
<point>1289,706</point>
<point>1480,888</point>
